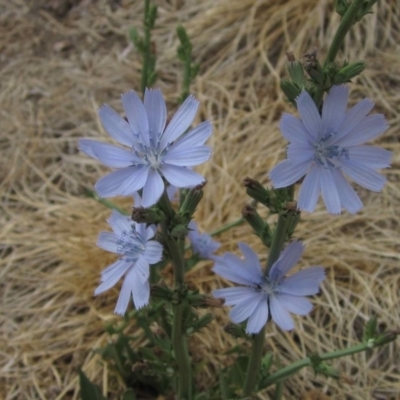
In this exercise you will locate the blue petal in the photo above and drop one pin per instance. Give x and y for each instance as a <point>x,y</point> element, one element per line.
<point>348,197</point>
<point>108,241</point>
<point>153,189</point>
<point>110,155</point>
<point>136,114</point>
<point>156,112</point>
<point>153,252</point>
<point>140,293</point>
<point>119,222</point>
<point>353,118</point>
<point>116,126</point>
<point>124,182</point>
<point>293,130</point>
<point>142,269</point>
<point>196,137</point>
<point>110,277</point>
<point>288,172</point>
<point>373,157</point>
<point>181,177</point>
<point>125,293</point>
<point>180,121</point>
<point>298,154</point>
<point>334,108</point>
<point>295,304</point>
<point>309,115</point>
<point>280,315</point>
<point>329,191</point>
<point>233,295</point>
<point>288,258</point>
<point>251,260</point>
<point>369,128</point>
<point>303,283</point>
<point>258,319</point>
<point>363,175</point>
<point>245,308</point>
<point>310,189</point>
<point>234,269</point>
<point>188,157</point>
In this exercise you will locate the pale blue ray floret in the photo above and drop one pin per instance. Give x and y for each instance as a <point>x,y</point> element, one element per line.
<point>202,243</point>
<point>273,295</point>
<point>157,151</point>
<point>328,147</point>
<point>132,241</point>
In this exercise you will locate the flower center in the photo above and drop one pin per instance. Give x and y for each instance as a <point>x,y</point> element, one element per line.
<point>130,245</point>
<point>266,287</point>
<point>328,155</point>
<point>150,154</point>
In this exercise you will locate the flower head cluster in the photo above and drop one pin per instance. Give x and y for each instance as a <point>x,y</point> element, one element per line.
<point>262,296</point>
<point>327,147</point>
<point>156,151</point>
<point>202,243</point>
<point>132,242</point>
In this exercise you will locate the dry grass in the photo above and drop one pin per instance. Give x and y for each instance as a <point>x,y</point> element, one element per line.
<point>60,60</point>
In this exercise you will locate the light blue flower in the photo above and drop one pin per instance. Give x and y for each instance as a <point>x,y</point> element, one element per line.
<point>132,242</point>
<point>274,295</point>
<point>202,243</point>
<point>156,150</point>
<point>328,147</point>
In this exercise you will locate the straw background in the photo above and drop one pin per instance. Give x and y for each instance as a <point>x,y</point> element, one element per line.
<point>60,61</point>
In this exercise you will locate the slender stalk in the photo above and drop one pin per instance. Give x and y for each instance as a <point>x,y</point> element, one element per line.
<point>253,368</point>
<point>345,25</point>
<point>227,226</point>
<point>179,342</point>
<point>305,362</point>
<point>147,46</point>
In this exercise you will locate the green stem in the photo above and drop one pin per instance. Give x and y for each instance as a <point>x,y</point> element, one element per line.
<point>278,240</point>
<point>109,204</point>
<point>253,368</point>
<point>344,27</point>
<point>305,362</point>
<point>147,46</point>
<point>227,226</point>
<point>179,341</point>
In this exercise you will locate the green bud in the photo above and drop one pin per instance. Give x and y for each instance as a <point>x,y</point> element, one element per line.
<point>365,9</point>
<point>179,231</point>
<point>136,40</point>
<point>296,72</point>
<point>291,90</point>
<point>189,205</point>
<point>370,329</point>
<point>161,291</point>
<point>147,215</point>
<point>236,331</point>
<point>386,338</point>
<point>183,37</point>
<point>320,367</point>
<point>266,362</point>
<point>260,227</point>
<point>347,72</point>
<point>341,6</point>
<point>202,322</point>
<point>257,191</point>
<point>152,16</point>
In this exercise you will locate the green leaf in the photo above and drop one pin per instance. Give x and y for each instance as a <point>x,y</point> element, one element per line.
<point>89,391</point>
